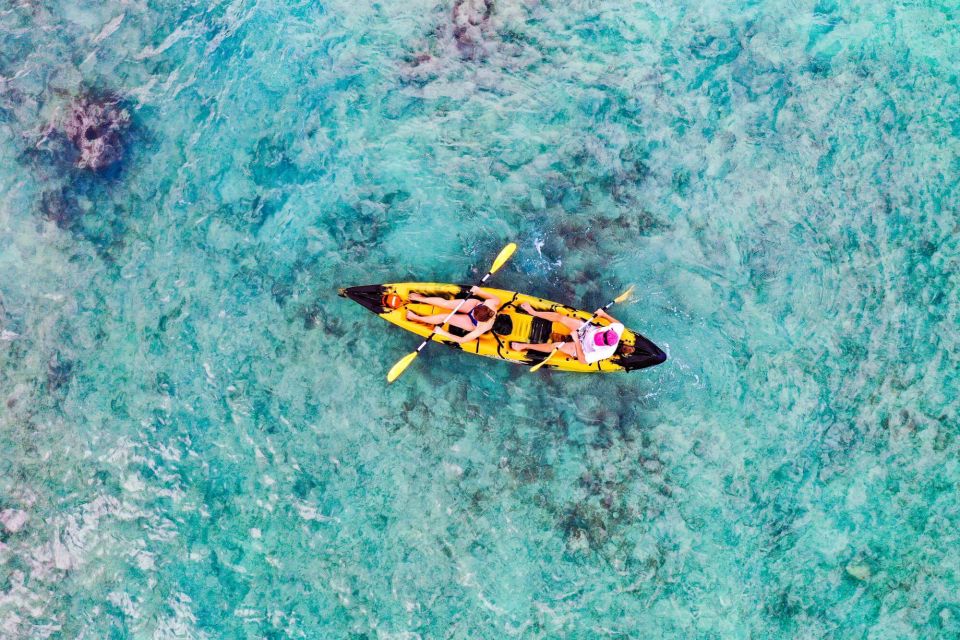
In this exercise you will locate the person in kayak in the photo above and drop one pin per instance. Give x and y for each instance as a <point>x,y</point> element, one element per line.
<point>476,316</point>
<point>588,344</point>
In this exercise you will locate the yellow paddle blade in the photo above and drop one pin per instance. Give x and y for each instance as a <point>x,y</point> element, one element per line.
<point>623,296</point>
<point>401,366</point>
<point>544,361</point>
<point>505,254</point>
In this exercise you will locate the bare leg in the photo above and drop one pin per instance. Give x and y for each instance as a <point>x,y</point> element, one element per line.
<point>458,320</point>
<point>571,323</point>
<point>566,347</point>
<point>434,319</point>
<point>443,303</point>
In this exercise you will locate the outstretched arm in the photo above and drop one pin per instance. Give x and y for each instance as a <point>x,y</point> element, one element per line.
<point>480,293</point>
<point>606,316</point>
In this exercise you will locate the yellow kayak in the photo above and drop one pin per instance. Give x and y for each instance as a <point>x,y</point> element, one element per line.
<point>392,301</point>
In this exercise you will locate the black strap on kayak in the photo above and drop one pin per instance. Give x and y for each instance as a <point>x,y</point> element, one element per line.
<point>499,344</point>
<point>509,303</point>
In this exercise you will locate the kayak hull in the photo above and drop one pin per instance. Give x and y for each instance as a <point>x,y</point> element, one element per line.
<point>392,301</point>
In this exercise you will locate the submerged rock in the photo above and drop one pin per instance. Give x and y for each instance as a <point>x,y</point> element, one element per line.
<point>96,126</point>
<point>13,519</point>
<point>470,19</point>
<point>57,206</point>
<point>859,571</point>
<point>490,32</point>
<point>58,372</point>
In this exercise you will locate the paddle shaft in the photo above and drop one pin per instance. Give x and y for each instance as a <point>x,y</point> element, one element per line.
<point>594,316</point>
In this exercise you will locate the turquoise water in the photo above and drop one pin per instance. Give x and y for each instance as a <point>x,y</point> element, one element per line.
<point>196,437</point>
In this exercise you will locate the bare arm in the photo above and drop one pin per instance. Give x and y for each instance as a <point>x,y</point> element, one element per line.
<point>480,293</point>
<point>580,357</point>
<point>606,316</point>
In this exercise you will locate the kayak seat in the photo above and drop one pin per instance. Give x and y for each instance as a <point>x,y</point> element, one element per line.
<point>503,325</point>
<point>540,331</point>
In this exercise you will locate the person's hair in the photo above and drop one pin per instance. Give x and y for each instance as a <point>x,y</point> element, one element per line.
<point>483,313</point>
<point>625,349</point>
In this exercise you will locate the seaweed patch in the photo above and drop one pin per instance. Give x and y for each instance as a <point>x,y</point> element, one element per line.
<point>59,372</point>
<point>57,206</point>
<point>316,315</point>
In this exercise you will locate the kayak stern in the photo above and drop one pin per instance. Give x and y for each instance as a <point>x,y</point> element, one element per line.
<point>368,296</point>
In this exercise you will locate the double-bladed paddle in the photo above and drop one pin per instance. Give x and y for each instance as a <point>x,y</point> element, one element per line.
<point>620,298</point>
<point>405,361</point>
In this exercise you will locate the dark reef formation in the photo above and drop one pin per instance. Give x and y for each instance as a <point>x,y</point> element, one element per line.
<point>81,156</point>
<point>471,19</point>
<point>96,125</point>
<point>59,372</point>
<point>468,32</point>
<point>58,206</point>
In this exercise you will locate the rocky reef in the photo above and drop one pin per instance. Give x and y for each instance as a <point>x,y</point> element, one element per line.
<point>471,18</point>
<point>96,126</point>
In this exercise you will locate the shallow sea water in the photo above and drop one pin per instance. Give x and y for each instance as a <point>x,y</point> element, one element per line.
<point>196,438</point>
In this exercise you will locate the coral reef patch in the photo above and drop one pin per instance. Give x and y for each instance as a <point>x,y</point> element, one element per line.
<point>96,126</point>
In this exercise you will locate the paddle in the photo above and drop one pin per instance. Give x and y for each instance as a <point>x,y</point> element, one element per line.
<point>620,298</point>
<point>405,361</point>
